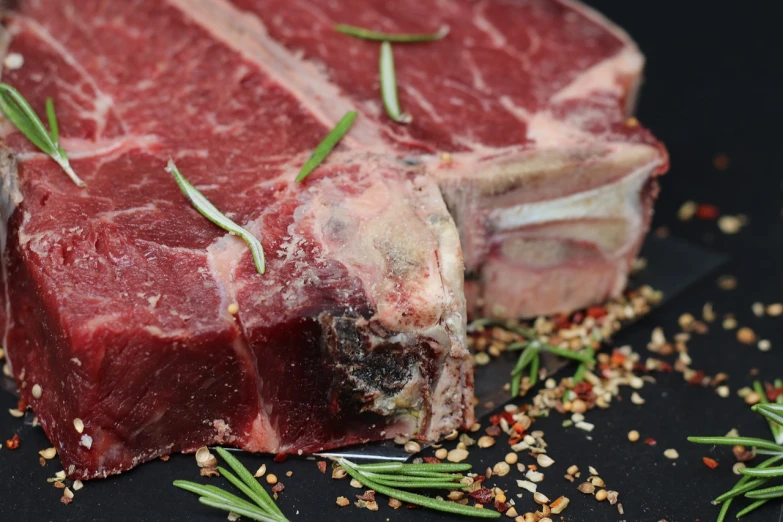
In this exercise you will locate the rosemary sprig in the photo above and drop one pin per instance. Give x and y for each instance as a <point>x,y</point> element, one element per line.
<point>325,147</point>
<point>388,478</point>
<point>389,86</point>
<point>368,34</point>
<point>531,347</point>
<point>264,509</point>
<point>209,211</point>
<point>752,478</point>
<point>21,114</point>
<point>773,411</point>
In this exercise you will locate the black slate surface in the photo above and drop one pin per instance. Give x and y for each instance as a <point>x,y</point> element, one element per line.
<point>713,85</point>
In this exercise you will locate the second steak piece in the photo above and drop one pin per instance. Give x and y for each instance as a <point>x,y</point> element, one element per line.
<point>521,114</point>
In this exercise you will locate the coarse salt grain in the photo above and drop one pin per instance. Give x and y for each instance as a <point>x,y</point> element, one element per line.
<point>86,441</point>
<point>13,61</point>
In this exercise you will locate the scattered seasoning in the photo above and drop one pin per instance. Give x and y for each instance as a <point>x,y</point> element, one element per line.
<point>650,441</point>
<point>710,463</point>
<point>587,488</point>
<point>687,211</point>
<point>706,211</point>
<point>671,453</point>
<point>412,447</point>
<point>325,147</point>
<point>37,391</point>
<point>457,455</point>
<point>262,470</point>
<point>775,309</point>
<point>13,442</point>
<point>342,501</point>
<point>204,458</point>
<point>720,161</point>
<point>746,336</point>
<point>601,495</point>
<point>209,211</point>
<point>764,345</point>
<point>321,466</point>
<point>633,435</point>
<point>486,442</point>
<point>78,424</point>
<point>277,487</point>
<point>727,282</point>
<point>729,224</point>
<point>233,309</point>
<point>271,479</point>
<point>48,453</point>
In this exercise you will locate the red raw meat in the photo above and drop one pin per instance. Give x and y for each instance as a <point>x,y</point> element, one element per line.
<point>115,297</point>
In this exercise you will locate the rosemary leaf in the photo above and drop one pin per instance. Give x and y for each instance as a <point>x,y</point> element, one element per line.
<point>723,511</point>
<point>208,210</point>
<point>239,510</point>
<point>21,114</point>
<point>534,369</point>
<point>570,354</point>
<point>773,412</point>
<point>389,86</point>
<point>768,493</point>
<point>399,467</point>
<point>54,129</point>
<point>738,441</point>
<point>368,34</point>
<point>752,507</point>
<point>741,483</point>
<point>249,480</point>
<point>325,147</point>
<point>414,484</point>
<point>215,493</point>
<point>244,488</point>
<point>740,489</point>
<point>764,472</point>
<point>415,498</point>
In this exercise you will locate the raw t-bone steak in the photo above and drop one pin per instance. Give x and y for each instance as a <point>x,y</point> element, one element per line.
<point>115,303</point>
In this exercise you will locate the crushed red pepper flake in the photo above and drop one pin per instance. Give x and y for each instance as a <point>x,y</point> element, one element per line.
<point>707,211</point>
<point>281,457</point>
<point>165,458</point>
<point>710,463</point>
<point>322,466</point>
<point>502,507</point>
<point>13,442</point>
<point>481,495</point>
<point>432,460</point>
<point>650,441</point>
<point>277,488</point>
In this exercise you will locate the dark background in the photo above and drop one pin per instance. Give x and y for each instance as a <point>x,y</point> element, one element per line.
<point>713,86</point>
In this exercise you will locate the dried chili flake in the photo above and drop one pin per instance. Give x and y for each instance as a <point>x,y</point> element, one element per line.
<point>518,428</point>
<point>582,388</point>
<point>281,457</point>
<point>322,466</point>
<point>710,463</point>
<point>697,377</point>
<point>596,312</point>
<point>277,488</point>
<point>21,405</point>
<point>514,440</point>
<point>13,442</point>
<point>561,322</point>
<point>577,318</point>
<point>502,507</point>
<point>493,431</point>
<point>772,392</point>
<point>707,211</point>
<point>650,441</point>
<point>482,496</point>
<point>618,359</point>
<point>367,496</point>
<point>432,460</point>
<point>165,458</point>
